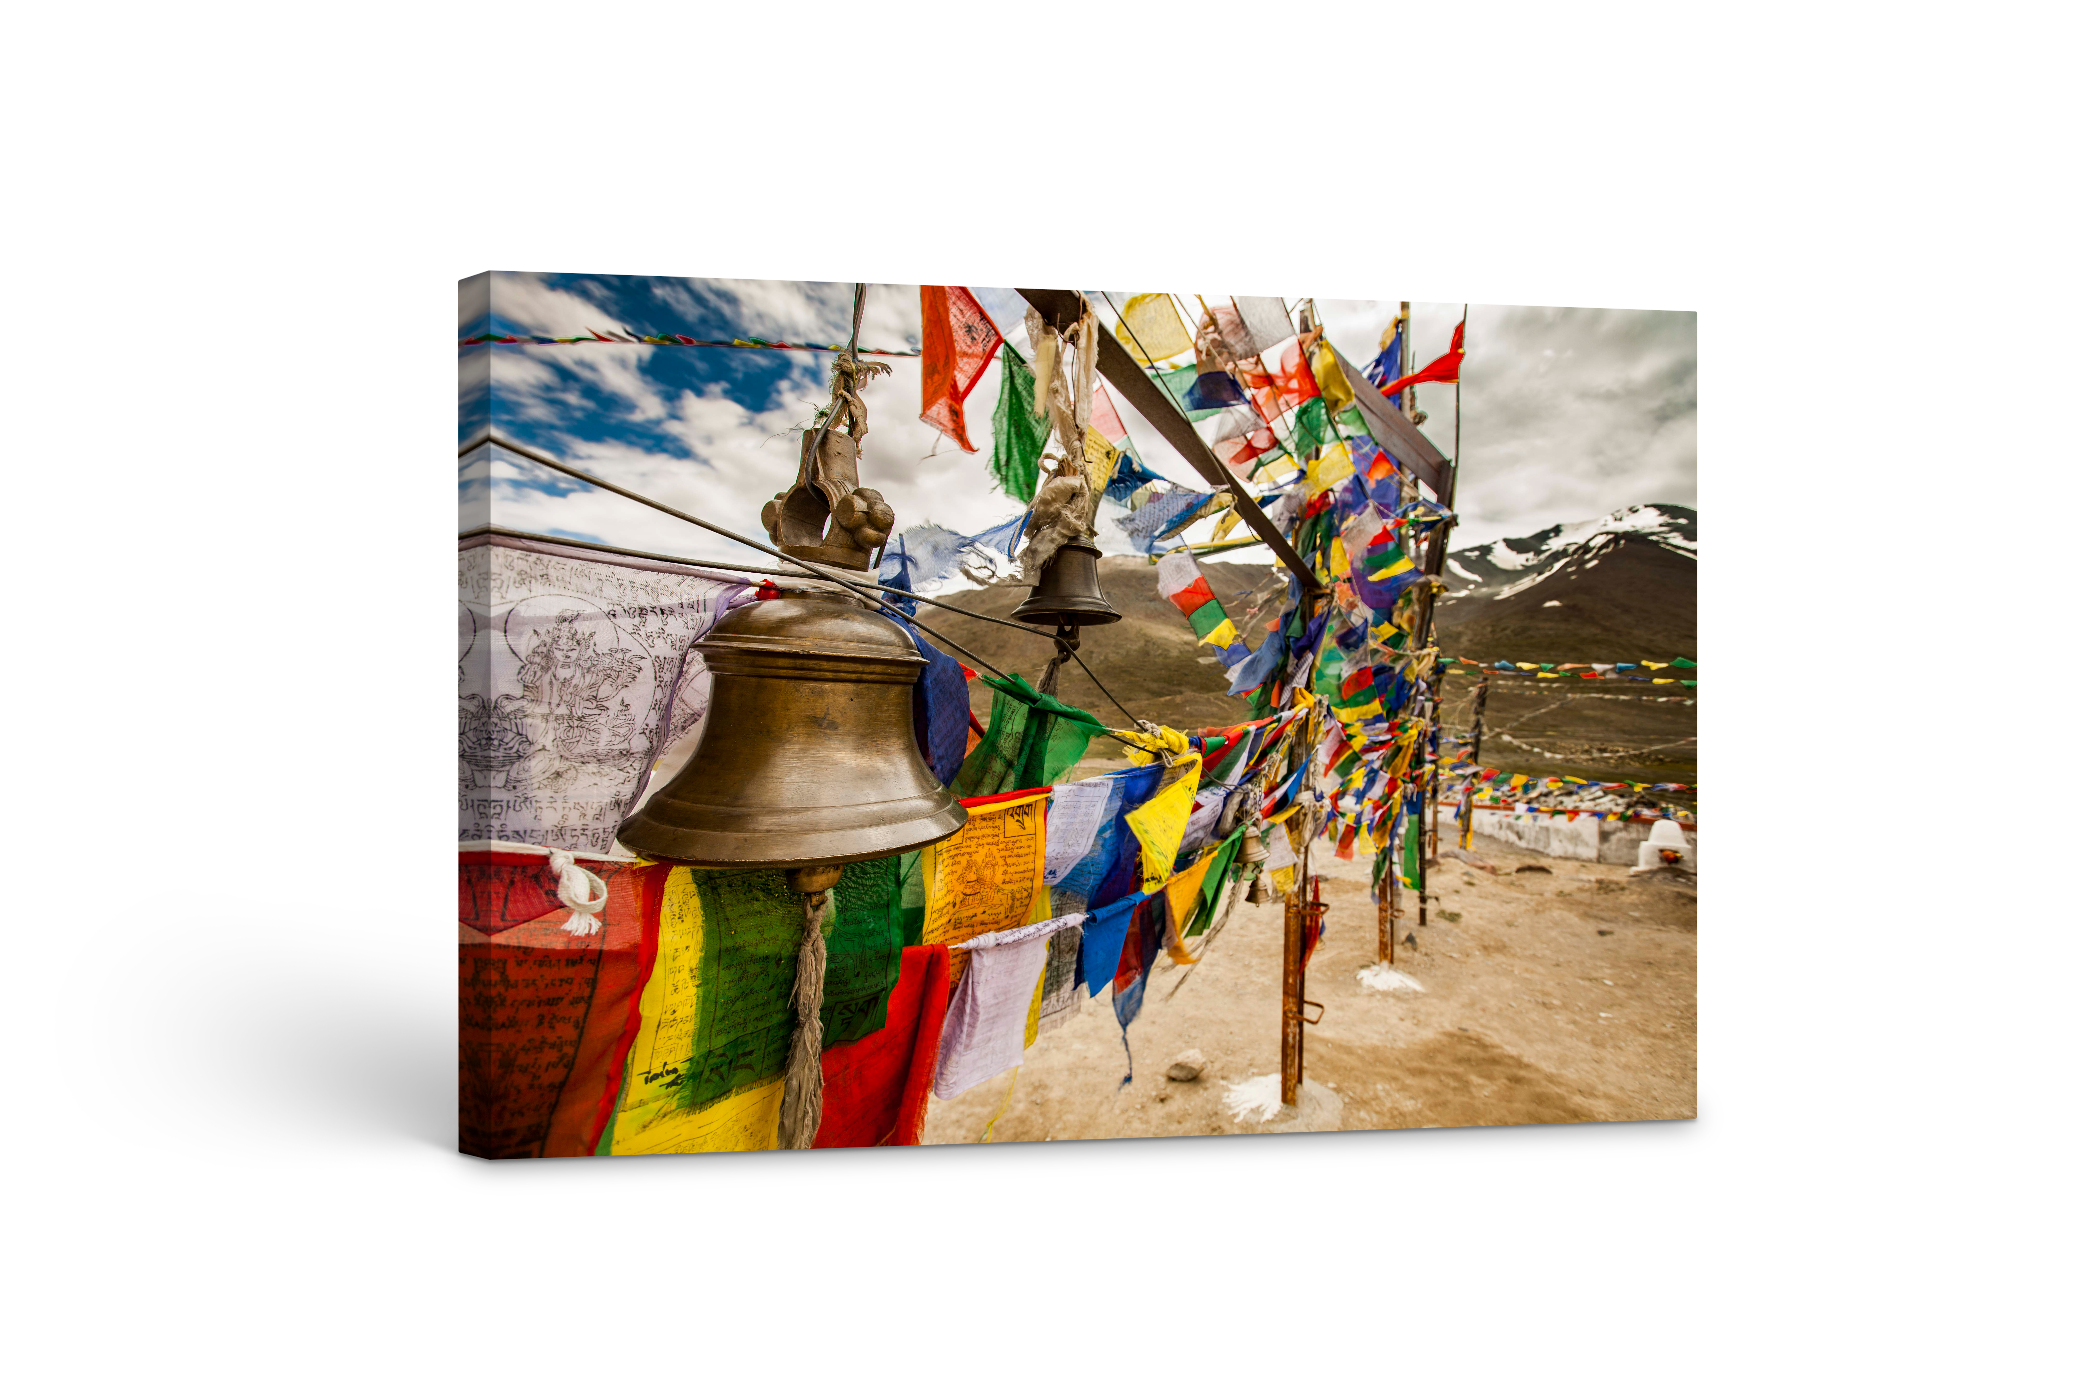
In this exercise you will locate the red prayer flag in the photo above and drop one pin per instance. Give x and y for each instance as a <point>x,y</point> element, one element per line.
<point>546,1017</point>
<point>1295,384</point>
<point>1441,370</point>
<point>1194,596</point>
<point>957,342</point>
<point>1104,418</point>
<point>875,1087</point>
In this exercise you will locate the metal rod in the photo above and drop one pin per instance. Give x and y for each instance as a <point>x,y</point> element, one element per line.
<point>1292,1012</point>
<point>1060,308</point>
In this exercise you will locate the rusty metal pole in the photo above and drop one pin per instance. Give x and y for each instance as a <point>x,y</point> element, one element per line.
<point>1293,1066</point>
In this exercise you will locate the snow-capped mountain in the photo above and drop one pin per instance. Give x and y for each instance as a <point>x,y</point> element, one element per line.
<point>1628,583</point>
<point>1506,567</point>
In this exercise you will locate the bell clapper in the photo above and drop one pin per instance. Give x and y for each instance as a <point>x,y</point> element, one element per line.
<point>814,879</point>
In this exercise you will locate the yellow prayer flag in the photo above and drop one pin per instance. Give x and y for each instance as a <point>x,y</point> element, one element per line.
<point>1327,469</point>
<point>987,876</point>
<point>1222,635</point>
<point>1182,893</point>
<point>1159,824</point>
<point>1035,1010</point>
<point>1100,456</point>
<point>1152,329</point>
<point>1327,373</point>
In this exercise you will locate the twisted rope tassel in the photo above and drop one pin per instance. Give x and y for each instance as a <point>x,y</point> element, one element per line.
<point>802,1104</point>
<point>581,892</point>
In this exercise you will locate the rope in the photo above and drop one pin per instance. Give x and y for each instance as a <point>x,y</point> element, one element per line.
<point>802,1102</point>
<point>581,892</point>
<point>685,341</point>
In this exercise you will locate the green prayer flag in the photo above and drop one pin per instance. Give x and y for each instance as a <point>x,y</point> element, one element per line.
<point>1175,383</point>
<point>1309,430</point>
<point>1018,434</point>
<point>743,1019</point>
<point>1215,880</point>
<point>1207,618</point>
<point>1031,740</point>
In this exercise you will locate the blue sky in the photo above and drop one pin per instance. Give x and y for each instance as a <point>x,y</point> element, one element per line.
<point>1569,413</point>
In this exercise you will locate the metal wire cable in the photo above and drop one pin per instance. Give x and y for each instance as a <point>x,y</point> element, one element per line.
<point>491,437</point>
<point>859,590</point>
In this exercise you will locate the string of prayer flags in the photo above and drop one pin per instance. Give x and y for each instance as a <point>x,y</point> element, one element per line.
<point>1181,582</point>
<point>1103,871</point>
<point>633,338</point>
<point>958,340</point>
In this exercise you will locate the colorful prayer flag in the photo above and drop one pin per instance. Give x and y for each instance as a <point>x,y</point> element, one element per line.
<point>1441,370</point>
<point>957,341</point>
<point>1150,327</point>
<point>1018,434</point>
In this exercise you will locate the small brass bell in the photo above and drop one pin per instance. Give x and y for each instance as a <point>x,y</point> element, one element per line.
<point>1068,593</point>
<point>807,756</point>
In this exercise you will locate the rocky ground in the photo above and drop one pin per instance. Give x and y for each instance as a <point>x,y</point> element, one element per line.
<point>1567,994</point>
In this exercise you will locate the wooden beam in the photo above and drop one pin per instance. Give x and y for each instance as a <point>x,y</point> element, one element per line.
<point>1403,441</point>
<point>1061,309</point>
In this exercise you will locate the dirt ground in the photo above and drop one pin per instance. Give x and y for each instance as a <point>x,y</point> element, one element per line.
<point>1547,998</point>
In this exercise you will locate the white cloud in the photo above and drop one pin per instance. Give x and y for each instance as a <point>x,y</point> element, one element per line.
<point>1570,413</point>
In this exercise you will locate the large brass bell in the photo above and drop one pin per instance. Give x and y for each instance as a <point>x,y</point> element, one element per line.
<point>1068,592</point>
<point>807,756</point>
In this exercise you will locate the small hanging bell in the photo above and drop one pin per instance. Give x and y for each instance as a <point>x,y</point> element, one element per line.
<point>1068,594</point>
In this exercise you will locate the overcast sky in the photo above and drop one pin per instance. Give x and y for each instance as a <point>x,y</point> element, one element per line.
<point>1569,413</point>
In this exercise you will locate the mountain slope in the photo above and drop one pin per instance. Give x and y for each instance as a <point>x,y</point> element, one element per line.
<point>1488,568</point>
<point>1624,588</point>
